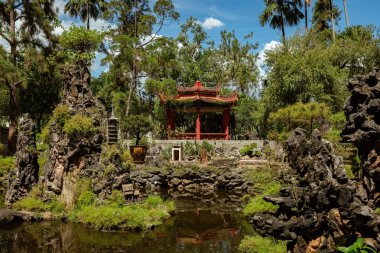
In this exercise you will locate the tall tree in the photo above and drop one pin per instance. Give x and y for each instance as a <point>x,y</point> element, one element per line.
<point>325,16</point>
<point>135,22</point>
<point>281,13</point>
<point>332,20</point>
<point>86,9</point>
<point>307,3</point>
<point>35,23</point>
<point>345,12</point>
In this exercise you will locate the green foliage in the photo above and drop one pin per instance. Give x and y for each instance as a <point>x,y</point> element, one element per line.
<point>207,146</point>
<point>280,14</point>
<point>30,204</point>
<point>244,113</point>
<point>258,244</point>
<point>267,182</point>
<point>116,199</point>
<point>7,163</point>
<point>109,170</point>
<point>86,198</point>
<point>115,215</point>
<point>79,125</point>
<point>358,247</point>
<point>307,116</point>
<point>137,126</point>
<point>60,115</point>
<point>33,202</point>
<point>166,154</point>
<point>86,9</point>
<point>127,159</point>
<point>79,44</point>
<point>247,149</point>
<point>259,205</point>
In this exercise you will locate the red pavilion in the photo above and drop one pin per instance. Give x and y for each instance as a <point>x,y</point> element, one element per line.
<point>199,99</point>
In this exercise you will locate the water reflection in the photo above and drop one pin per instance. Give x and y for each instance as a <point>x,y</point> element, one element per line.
<point>198,226</point>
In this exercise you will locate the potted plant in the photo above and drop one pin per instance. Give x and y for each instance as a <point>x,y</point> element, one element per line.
<point>138,126</point>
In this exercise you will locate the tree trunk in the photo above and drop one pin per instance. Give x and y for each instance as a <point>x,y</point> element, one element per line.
<point>13,105</point>
<point>332,20</point>
<point>88,15</point>
<point>306,21</point>
<point>283,33</point>
<point>345,12</point>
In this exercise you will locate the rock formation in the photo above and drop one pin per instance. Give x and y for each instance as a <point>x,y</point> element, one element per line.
<point>320,208</point>
<point>25,174</point>
<point>362,111</point>
<point>72,156</point>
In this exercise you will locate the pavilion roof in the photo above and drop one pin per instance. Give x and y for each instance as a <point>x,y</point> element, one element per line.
<point>200,93</point>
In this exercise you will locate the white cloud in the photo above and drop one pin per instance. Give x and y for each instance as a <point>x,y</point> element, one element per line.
<point>262,56</point>
<point>211,23</point>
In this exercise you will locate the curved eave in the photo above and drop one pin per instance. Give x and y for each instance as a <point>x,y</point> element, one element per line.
<point>230,100</point>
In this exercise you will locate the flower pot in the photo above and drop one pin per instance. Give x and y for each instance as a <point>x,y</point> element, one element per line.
<point>138,153</point>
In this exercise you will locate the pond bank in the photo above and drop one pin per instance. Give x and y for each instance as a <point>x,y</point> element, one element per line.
<point>215,225</point>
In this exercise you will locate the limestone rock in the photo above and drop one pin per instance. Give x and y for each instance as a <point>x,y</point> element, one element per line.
<point>25,174</point>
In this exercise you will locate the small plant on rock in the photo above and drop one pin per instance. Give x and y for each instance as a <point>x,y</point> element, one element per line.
<point>79,125</point>
<point>358,247</point>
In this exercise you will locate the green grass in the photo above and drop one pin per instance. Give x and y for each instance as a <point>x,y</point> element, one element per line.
<point>31,203</point>
<point>258,244</point>
<point>111,216</point>
<point>7,163</point>
<point>259,205</point>
<point>266,182</point>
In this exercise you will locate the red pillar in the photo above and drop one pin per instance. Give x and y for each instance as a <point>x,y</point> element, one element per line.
<point>198,124</point>
<point>170,118</point>
<point>226,123</point>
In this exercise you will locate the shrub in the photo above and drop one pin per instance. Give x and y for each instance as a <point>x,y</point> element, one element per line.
<point>7,163</point>
<point>79,125</point>
<point>3,148</point>
<point>207,146</point>
<point>61,114</point>
<point>116,199</point>
<point>191,148</point>
<point>153,201</point>
<point>307,116</point>
<point>115,215</point>
<point>247,149</point>
<point>110,169</point>
<point>86,198</point>
<point>166,154</point>
<point>258,244</point>
<point>126,159</point>
<point>30,203</point>
<point>44,136</point>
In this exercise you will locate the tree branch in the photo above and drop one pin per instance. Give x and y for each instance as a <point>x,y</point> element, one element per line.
<point>5,37</point>
<point>155,35</point>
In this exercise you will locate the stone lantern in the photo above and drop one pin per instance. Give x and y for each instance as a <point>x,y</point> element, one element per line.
<point>113,129</point>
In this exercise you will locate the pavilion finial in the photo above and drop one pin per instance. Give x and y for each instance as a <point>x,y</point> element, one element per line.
<point>198,84</point>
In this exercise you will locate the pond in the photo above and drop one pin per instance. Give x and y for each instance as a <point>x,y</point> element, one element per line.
<point>200,224</point>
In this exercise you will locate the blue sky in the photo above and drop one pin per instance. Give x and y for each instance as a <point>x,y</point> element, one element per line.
<point>242,16</point>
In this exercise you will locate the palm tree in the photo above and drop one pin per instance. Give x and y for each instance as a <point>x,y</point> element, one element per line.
<point>332,20</point>
<point>307,4</point>
<point>345,12</point>
<point>279,13</point>
<point>86,9</point>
